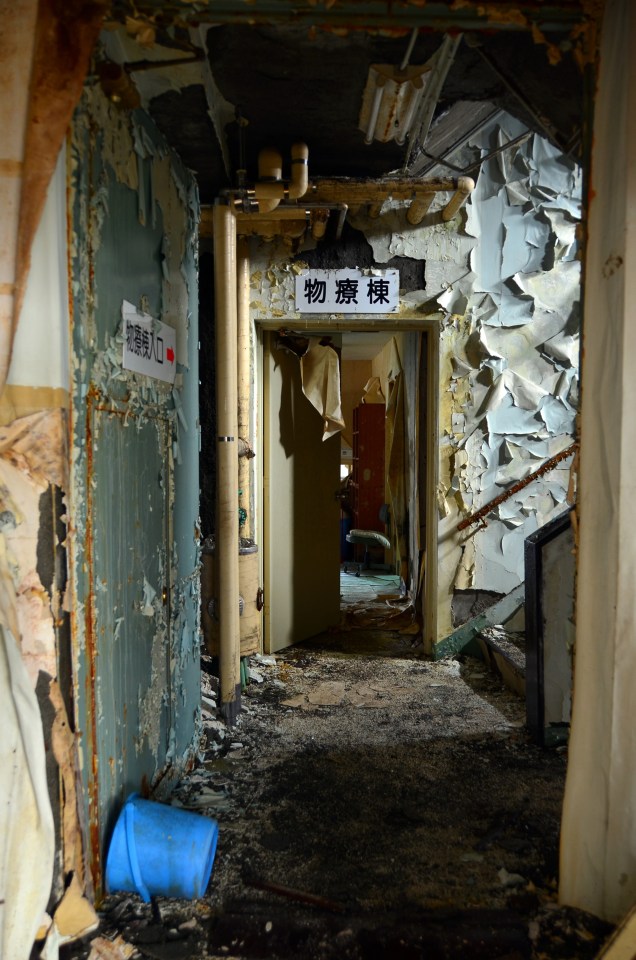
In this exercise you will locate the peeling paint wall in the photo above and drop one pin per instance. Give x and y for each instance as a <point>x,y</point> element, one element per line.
<point>273,297</point>
<point>502,281</point>
<point>504,278</point>
<point>134,464</point>
<point>33,472</point>
<point>508,362</point>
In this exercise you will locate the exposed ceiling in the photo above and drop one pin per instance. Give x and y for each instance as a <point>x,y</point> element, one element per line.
<point>295,81</point>
<point>363,346</point>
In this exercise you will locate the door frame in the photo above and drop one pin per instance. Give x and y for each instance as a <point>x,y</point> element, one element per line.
<point>312,325</point>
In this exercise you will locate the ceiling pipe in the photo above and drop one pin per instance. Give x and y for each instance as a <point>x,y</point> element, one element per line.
<point>344,190</point>
<point>419,208</point>
<point>271,188</point>
<point>375,192</point>
<point>270,173</point>
<point>409,49</point>
<point>299,217</point>
<point>465,187</point>
<point>337,194</point>
<point>279,213</point>
<point>269,229</point>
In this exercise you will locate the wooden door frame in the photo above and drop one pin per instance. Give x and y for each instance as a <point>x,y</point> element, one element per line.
<point>313,325</point>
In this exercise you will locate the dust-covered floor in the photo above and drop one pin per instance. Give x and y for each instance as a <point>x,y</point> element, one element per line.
<point>371,804</point>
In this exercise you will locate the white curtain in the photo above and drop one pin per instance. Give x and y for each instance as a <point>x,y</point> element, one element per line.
<point>27,837</point>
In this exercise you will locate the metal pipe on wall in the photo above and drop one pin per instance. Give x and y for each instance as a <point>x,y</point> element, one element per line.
<point>244,376</point>
<point>227,527</point>
<point>465,187</point>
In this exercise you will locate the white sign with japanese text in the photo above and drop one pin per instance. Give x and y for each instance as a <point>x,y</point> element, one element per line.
<point>348,291</point>
<point>149,345</point>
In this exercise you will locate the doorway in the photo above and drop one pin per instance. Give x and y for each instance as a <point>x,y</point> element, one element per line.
<point>304,520</point>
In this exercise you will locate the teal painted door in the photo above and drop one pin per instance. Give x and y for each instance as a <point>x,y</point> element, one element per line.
<point>131,568</point>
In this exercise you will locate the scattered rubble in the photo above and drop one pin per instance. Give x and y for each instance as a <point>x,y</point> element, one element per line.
<point>370,804</point>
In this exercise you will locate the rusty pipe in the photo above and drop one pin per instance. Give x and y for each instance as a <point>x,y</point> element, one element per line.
<point>419,208</point>
<point>465,186</point>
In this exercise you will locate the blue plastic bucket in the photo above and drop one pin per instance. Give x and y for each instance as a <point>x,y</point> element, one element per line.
<point>159,850</point>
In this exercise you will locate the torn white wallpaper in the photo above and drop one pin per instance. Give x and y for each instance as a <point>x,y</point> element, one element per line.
<point>505,277</point>
<point>508,358</point>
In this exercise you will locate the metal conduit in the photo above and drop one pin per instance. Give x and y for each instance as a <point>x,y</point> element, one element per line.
<point>227,527</point>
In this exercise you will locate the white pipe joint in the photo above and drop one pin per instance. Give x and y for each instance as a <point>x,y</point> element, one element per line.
<point>271,189</point>
<point>270,174</point>
<point>270,164</point>
<point>300,171</point>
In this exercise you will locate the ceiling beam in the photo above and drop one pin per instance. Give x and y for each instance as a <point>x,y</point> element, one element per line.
<point>556,17</point>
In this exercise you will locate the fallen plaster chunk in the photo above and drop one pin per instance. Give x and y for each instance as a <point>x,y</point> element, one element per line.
<point>117,949</point>
<point>294,702</point>
<point>556,289</point>
<point>328,694</point>
<point>208,706</point>
<point>264,660</point>
<point>74,917</point>
<point>510,879</point>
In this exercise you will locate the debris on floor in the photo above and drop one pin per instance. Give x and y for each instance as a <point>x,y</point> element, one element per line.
<point>505,653</point>
<point>370,804</point>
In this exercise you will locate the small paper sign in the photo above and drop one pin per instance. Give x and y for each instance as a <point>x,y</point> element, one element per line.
<point>348,291</point>
<point>149,345</point>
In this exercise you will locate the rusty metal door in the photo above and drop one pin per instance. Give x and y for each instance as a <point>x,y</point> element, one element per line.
<point>130,569</point>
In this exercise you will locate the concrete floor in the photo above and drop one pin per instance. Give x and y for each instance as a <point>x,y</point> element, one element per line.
<point>371,804</point>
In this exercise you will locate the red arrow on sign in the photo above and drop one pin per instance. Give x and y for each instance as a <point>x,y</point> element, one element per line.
<point>170,355</point>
